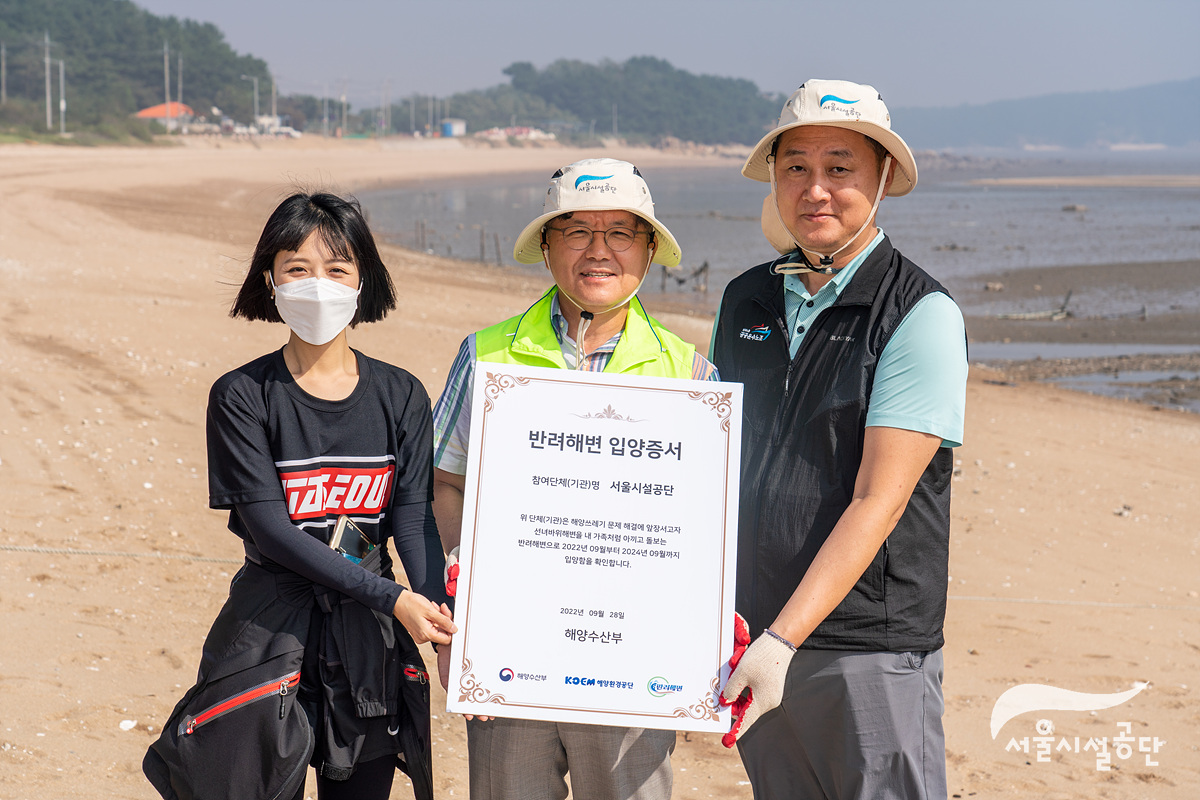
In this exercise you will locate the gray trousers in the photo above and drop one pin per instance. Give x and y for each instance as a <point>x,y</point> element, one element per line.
<point>852,725</point>
<point>520,759</point>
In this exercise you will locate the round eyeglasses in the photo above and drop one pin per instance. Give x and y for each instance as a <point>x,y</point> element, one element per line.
<point>578,237</point>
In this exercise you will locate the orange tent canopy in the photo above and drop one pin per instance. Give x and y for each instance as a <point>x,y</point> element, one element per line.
<point>160,111</point>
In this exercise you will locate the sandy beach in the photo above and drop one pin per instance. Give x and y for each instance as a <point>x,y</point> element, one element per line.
<point>1074,543</point>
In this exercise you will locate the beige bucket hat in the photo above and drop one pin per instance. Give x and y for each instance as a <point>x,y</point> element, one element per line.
<point>838,104</point>
<point>597,184</point>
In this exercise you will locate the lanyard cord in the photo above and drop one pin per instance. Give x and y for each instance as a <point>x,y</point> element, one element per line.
<point>586,317</point>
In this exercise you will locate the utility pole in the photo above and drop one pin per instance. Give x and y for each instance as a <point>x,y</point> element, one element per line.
<point>614,120</point>
<point>49,111</point>
<point>274,107</point>
<point>62,100</point>
<point>179,81</point>
<point>325,112</point>
<point>254,80</point>
<point>167,82</point>
<point>412,114</point>
<point>3,76</point>
<point>387,107</point>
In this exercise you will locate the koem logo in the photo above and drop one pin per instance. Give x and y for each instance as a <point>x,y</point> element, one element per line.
<point>758,333</point>
<point>506,674</point>
<point>571,680</point>
<point>660,688</point>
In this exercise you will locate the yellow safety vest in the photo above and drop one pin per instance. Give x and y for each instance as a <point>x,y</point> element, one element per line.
<point>645,346</point>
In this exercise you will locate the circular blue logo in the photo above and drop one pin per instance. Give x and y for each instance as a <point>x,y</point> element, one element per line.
<point>506,674</point>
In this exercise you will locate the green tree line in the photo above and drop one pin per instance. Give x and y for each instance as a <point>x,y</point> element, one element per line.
<point>651,99</point>
<point>644,99</point>
<point>112,52</point>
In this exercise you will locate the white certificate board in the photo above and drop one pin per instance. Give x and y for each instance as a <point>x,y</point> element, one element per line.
<point>598,545</point>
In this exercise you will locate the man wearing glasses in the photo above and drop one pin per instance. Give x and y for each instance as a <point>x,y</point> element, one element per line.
<point>597,236</point>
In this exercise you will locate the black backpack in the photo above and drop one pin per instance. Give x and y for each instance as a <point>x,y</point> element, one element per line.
<point>240,733</point>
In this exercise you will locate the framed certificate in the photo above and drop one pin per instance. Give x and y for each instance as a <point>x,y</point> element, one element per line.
<point>598,544</point>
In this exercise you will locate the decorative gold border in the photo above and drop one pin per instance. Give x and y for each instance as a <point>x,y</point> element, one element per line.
<point>722,403</point>
<point>471,690</point>
<point>705,709</point>
<point>608,413</point>
<point>497,384</point>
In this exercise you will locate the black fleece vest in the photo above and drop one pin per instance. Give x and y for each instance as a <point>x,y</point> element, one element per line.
<point>802,443</point>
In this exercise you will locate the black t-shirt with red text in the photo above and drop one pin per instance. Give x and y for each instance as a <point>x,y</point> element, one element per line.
<point>268,439</point>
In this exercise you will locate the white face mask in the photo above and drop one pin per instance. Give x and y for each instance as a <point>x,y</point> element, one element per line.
<point>316,309</point>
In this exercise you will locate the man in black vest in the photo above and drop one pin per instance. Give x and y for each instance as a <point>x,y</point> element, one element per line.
<point>854,366</point>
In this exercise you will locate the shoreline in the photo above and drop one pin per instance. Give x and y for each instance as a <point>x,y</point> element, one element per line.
<point>226,210</point>
<point>1098,181</point>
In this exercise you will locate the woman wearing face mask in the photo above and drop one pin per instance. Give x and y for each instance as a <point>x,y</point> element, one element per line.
<point>312,659</point>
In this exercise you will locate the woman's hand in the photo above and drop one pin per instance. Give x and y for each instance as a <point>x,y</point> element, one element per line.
<point>424,621</point>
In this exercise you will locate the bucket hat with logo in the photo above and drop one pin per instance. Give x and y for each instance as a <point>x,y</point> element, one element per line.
<point>837,104</point>
<point>597,184</point>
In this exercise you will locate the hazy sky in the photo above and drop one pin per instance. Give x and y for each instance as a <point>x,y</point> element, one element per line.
<point>917,53</point>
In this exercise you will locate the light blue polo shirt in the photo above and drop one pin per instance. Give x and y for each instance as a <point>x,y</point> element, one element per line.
<point>921,379</point>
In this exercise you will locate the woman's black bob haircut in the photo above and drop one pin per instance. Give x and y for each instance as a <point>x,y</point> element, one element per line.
<point>343,230</point>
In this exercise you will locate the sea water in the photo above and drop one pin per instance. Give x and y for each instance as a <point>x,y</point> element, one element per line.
<point>954,228</point>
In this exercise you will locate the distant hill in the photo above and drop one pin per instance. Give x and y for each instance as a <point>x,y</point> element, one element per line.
<point>112,51</point>
<point>643,98</point>
<point>113,56</point>
<point>651,99</point>
<point>654,100</point>
<point>1162,113</point>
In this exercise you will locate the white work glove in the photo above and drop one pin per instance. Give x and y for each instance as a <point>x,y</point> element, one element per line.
<point>450,574</point>
<point>761,672</point>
